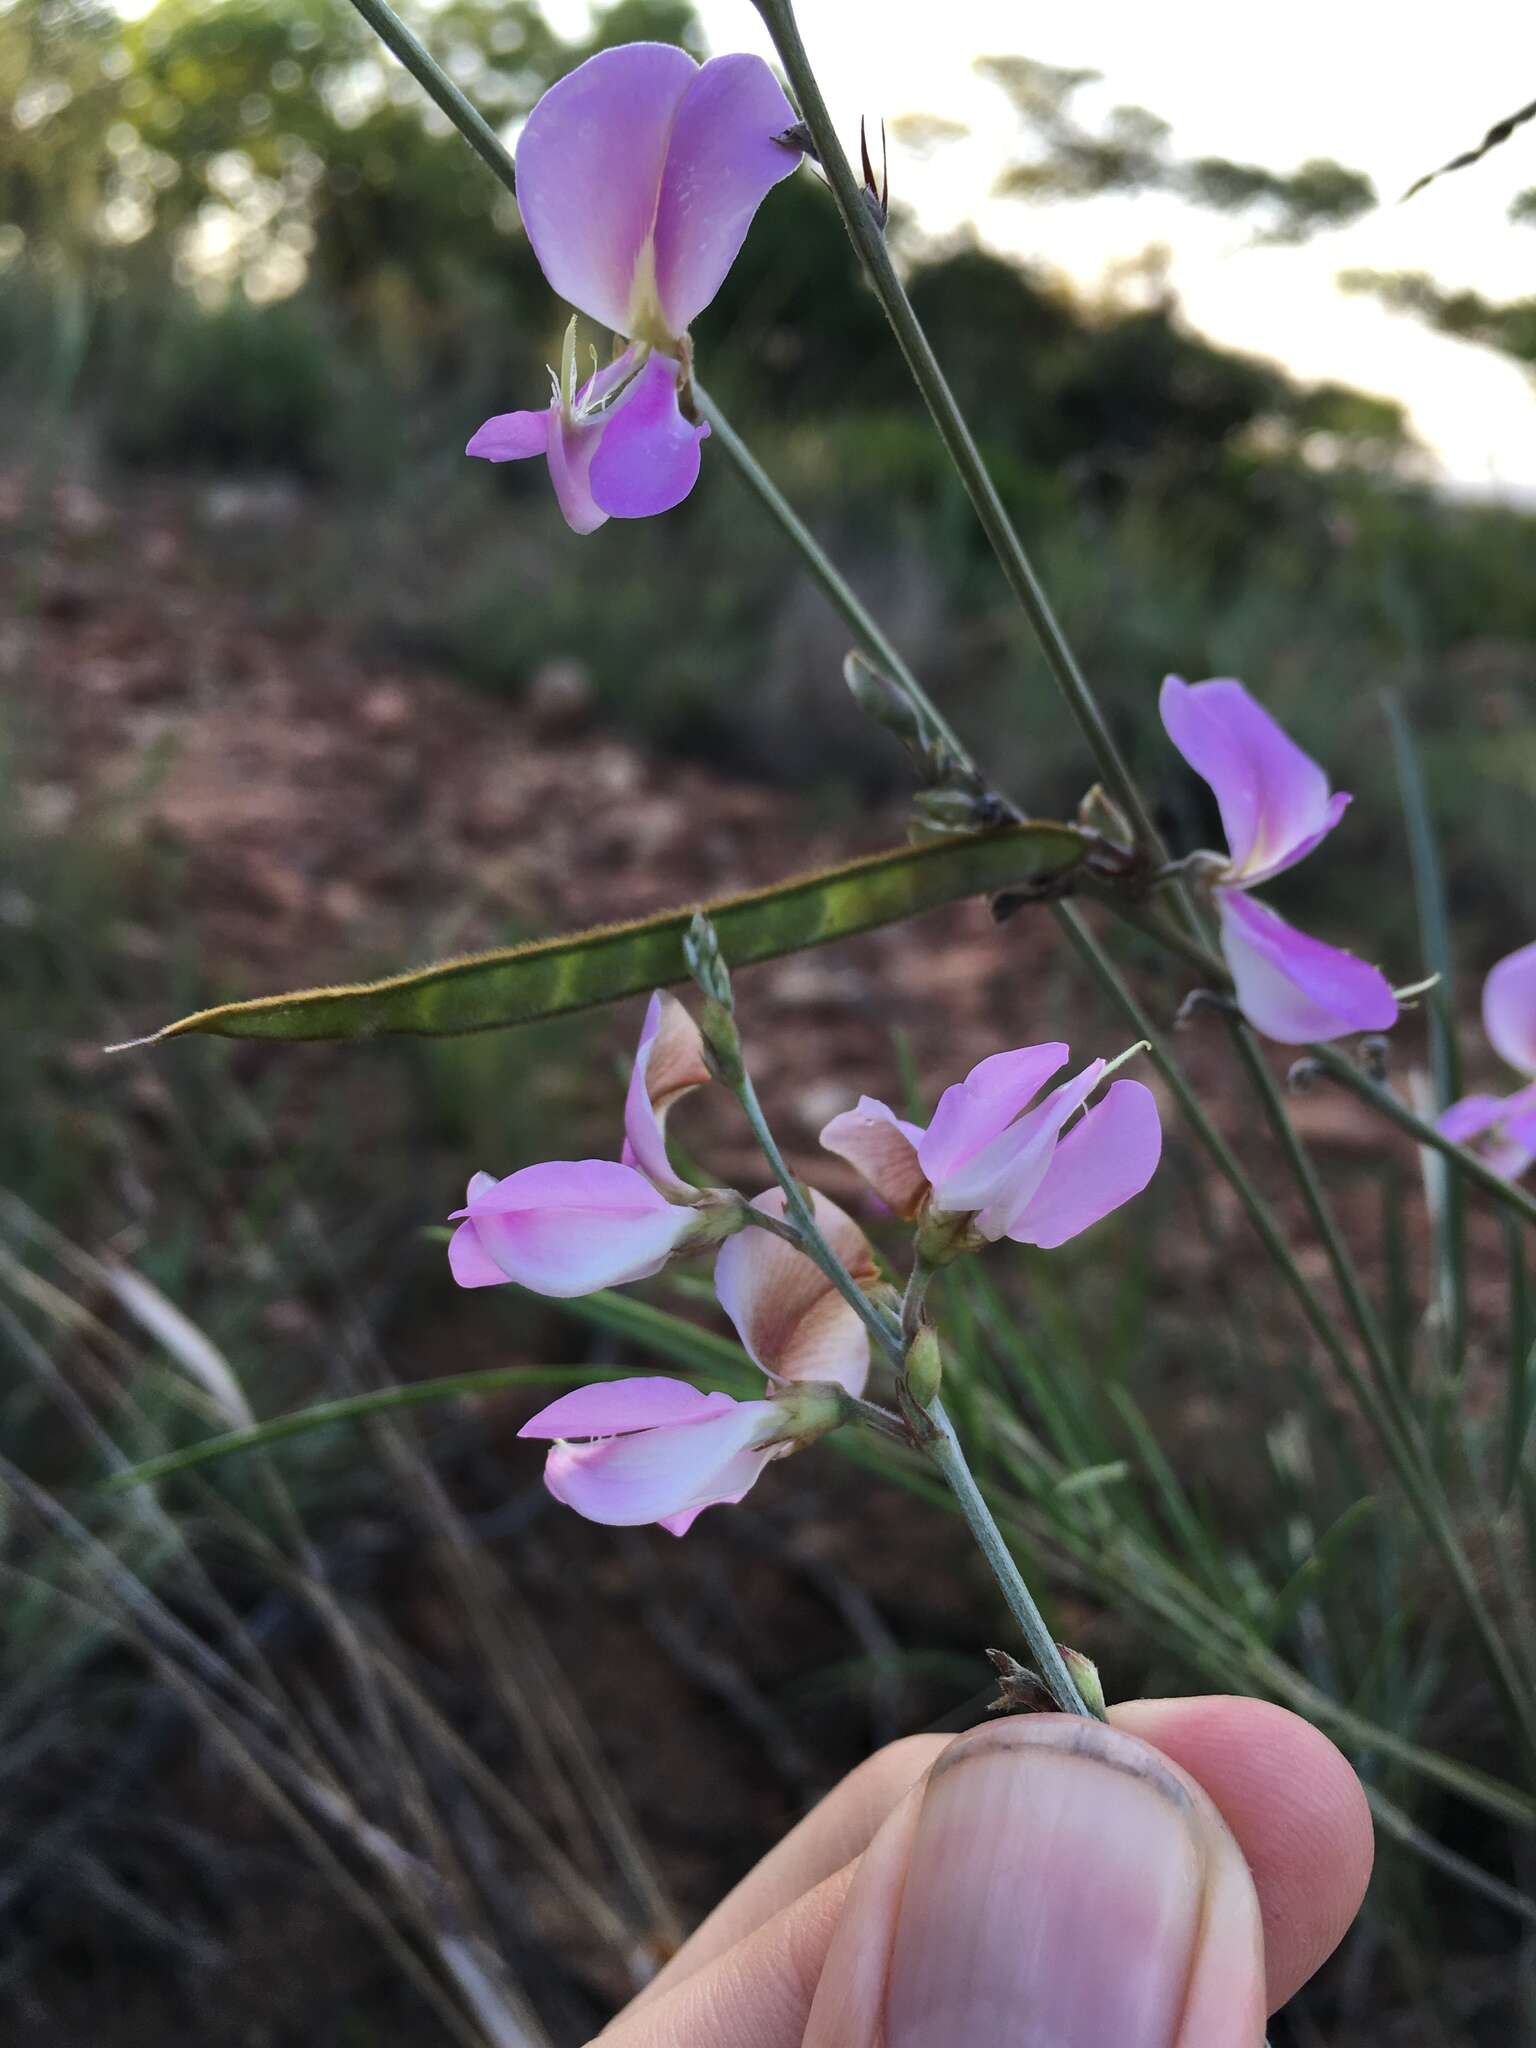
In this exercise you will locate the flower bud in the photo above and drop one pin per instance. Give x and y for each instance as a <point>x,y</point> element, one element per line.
<point>925,1367</point>
<point>1085,1676</point>
<point>806,1411</point>
<point>1099,813</point>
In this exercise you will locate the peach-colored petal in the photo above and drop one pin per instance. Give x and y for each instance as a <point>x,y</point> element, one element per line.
<point>787,1313</point>
<point>669,1064</point>
<point>883,1148</point>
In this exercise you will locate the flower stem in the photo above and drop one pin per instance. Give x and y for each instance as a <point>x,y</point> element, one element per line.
<point>811,1240</point>
<point>431,77</point>
<point>937,1435</point>
<point>835,586</point>
<point>869,242</point>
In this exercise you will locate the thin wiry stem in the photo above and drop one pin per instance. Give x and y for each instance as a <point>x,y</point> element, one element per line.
<point>869,240</point>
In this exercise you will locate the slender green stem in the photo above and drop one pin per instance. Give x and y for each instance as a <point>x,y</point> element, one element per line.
<point>435,82</point>
<point>835,586</point>
<point>1385,1103</point>
<point>943,1447</point>
<point>869,241</point>
<point>812,1242</point>
<point>918,1282</point>
<point>1323,1220</point>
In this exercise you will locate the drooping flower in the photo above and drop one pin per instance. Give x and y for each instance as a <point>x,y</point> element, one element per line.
<point>990,1166</point>
<point>790,1318</point>
<point>1507,1123</point>
<point>669,1064</point>
<point>572,1226</point>
<point>660,1450</point>
<point>637,175</point>
<point>1276,807</point>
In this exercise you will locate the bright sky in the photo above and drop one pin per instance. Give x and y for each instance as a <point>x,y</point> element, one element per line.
<point>1389,90</point>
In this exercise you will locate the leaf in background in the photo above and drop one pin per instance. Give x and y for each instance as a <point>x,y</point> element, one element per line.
<point>551,977</point>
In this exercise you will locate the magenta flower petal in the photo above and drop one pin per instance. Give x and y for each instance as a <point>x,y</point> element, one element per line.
<point>569,1227</point>
<point>1470,1117</point>
<point>976,1111</point>
<point>617,1407</point>
<point>1510,1160</point>
<point>788,1315</point>
<point>469,1262</point>
<point>511,435</point>
<point>1509,1009</point>
<point>1100,1163</point>
<point>647,460</point>
<point>722,162</point>
<point>671,1470</point>
<point>589,172</point>
<point>1274,799</point>
<point>872,1138</point>
<point>1000,1181</point>
<point>1292,987</point>
<point>572,445</point>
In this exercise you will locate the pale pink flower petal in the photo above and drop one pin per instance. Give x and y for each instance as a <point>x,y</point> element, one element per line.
<point>1101,1162</point>
<point>1274,799</point>
<point>974,1112</point>
<point>788,1315</point>
<point>883,1148</point>
<point>468,1261</point>
<point>722,162</point>
<point>669,1064</point>
<point>666,1472</point>
<point>1509,1009</point>
<point>647,459</point>
<point>572,445</point>
<point>615,1407</point>
<point>589,171</point>
<point>511,436</point>
<point>1292,987</point>
<point>569,1227</point>
<point>999,1182</point>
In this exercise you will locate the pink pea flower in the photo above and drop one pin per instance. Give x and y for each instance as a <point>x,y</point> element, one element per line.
<point>1275,807</point>
<point>567,1226</point>
<point>1507,1122</point>
<point>572,1226</point>
<point>790,1318</point>
<point>660,1450</point>
<point>637,175</point>
<point>991,1166</point>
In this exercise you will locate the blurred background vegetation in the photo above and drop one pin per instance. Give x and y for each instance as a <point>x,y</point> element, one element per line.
<point>292,690</point>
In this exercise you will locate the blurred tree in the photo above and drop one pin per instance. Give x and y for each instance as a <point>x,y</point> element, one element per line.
<point>1131,153</point>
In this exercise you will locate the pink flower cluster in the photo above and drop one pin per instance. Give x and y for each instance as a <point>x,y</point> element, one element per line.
<point>1276,808</point>
<point>993,1163</point>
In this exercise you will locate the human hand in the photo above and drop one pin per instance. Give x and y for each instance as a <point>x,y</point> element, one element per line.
<point>1163,1882</point>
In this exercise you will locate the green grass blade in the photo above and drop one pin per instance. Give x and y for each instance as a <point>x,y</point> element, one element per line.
<point>353,1408</point>
<point>1520,1392</point>
<point>1440,1004</point>
<point>552,977</point>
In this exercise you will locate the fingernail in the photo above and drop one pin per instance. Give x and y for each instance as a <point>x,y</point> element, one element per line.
<point>1053,1896</point>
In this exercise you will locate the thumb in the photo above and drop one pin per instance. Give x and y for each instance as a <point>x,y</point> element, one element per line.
<point>1052,1881</point>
